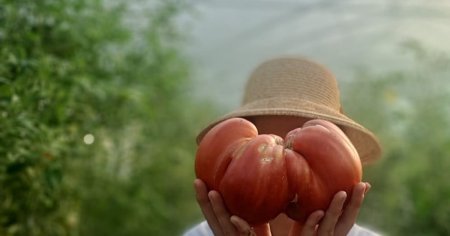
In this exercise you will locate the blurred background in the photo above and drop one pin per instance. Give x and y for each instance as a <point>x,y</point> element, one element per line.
<point>101,100</point>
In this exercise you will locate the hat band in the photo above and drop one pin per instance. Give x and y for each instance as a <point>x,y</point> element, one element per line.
<point>287,106</point>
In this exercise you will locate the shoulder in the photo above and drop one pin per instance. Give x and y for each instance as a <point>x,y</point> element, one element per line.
<point>362,231</point>
<point>201,229</point>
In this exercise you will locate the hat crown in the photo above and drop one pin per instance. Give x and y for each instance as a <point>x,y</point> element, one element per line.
<point>295,79</point>
<point>300,88</point>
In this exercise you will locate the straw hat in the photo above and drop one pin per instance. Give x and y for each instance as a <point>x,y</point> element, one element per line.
<point>299,87</point>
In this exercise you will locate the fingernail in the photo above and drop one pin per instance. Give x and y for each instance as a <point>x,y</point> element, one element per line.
<point>196,182</point>
<point>368,186</point>
<point>343,194</point>
<point>211,195</point>
<point>319,216</point>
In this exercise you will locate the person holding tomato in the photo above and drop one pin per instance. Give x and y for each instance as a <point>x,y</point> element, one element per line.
<point>281,95</point>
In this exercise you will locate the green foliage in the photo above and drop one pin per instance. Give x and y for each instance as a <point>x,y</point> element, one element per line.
<point>409,112</point>
<point>96,126</point>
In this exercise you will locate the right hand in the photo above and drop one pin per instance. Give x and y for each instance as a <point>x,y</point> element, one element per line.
<point>219,219</point>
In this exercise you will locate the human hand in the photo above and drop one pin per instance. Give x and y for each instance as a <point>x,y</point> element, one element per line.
<point>337,220</point>
<point>219,219</point>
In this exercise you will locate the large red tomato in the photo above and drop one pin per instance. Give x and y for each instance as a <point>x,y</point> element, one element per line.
<point>246,168</point>
<point>260,176</point>
<point>321,161</point>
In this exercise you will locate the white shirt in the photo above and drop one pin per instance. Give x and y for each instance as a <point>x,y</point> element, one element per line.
<point>203,229</point>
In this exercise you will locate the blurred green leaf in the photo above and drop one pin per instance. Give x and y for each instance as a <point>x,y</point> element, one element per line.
<point>408,112</point>
<point>73,68</point>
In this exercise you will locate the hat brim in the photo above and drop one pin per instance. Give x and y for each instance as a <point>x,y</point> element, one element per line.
<point>365,141</point>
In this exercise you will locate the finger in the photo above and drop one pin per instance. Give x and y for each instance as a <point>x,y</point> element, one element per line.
<point>206,207</point>
<point>262,230</point>
<point>221,213</point>
<point>243,228</point>
<point>368,187</point>
<point>310,226</point>
<point>332,214</point>
<point>351,211</point>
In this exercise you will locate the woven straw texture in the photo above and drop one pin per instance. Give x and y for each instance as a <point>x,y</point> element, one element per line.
<point>300,87</point>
